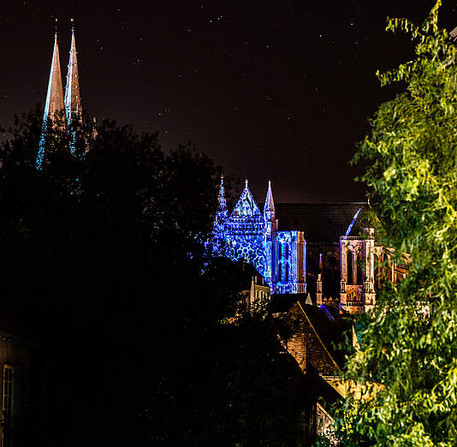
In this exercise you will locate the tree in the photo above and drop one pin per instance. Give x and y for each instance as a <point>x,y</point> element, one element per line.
<point>103,259</point>
<point>408,360</point>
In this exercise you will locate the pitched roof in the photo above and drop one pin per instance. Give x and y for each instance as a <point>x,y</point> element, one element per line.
<point>246,207</point>
<point>324,333</point>
<point>330,332</point>
<point>321,222</point>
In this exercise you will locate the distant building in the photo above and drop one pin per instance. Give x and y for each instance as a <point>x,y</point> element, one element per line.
<point>256,291</point>
<point>314,339</point>
<point>249,234</point>
<point>62,108</point>
<point>15,385</point>
<point>327,250</point>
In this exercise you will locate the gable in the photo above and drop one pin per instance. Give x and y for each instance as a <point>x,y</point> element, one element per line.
<point>246,206</point>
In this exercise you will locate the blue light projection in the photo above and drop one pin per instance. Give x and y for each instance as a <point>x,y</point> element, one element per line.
<point>348,231</point>
<point>289,257</point>
<point>249,234</point>
<point>244,232</point>
<point>41,147</point>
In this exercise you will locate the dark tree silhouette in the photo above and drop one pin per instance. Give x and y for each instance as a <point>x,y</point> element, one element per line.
<point>102,257</point>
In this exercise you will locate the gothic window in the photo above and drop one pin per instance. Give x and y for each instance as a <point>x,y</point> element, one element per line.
<point>349,267</point>
<point>359,267</point>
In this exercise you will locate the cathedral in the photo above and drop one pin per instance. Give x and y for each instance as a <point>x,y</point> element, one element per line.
<point>324,250</point>
<point>60,105</point>
<point>321,260</point>
<point>248,233</point>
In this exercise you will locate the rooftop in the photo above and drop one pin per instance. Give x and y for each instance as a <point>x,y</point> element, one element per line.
<point>321,222</point>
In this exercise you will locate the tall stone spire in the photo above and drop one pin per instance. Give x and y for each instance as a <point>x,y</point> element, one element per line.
<point>54,100</point>
<point>269,208</point>
<point>54,97</point>
<point>73,108</point>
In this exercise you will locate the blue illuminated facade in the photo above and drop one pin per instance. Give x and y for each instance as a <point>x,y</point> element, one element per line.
<point>249,234</point>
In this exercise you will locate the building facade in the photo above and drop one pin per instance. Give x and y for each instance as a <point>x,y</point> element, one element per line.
<point>327,250</point>
<point>249,234</point>
<point>15,392</point>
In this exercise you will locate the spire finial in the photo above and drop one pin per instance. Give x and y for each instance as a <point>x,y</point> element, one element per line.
<point>246,183</point>
<point>72,93</point>
<point>222,203</point>
<point>269,208</point>
<point>55,26</point>
<point>54,100</point>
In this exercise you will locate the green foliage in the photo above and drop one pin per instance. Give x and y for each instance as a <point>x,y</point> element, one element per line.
<point>410,345</point>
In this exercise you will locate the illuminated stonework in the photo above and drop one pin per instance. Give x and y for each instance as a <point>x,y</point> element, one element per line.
<point>57,103</point>
<point>339,265</point>
<point>249,234</point>
<point>54,102</point>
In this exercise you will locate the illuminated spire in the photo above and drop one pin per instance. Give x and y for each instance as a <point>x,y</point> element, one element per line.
<point>72,94</point>
<point>222,202</point>
<point>269,208</point>
<point>309,301</point>
<point>54,97</point>
<point>54,100</point>
<point>222,212</point>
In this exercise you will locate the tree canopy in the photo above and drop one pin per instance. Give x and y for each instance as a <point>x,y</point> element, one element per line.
<point>104,262</point>
<point>408,360</point>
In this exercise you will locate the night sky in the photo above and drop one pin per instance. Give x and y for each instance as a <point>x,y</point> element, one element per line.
<point>272,90</point>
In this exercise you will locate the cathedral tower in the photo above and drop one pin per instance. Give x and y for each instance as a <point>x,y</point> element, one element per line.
<point>57,102</point>
<point>54,105</point>
<point>73,108</point>
<point>270,228</point>
<point>269,207</point>
<point>222,212</point>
